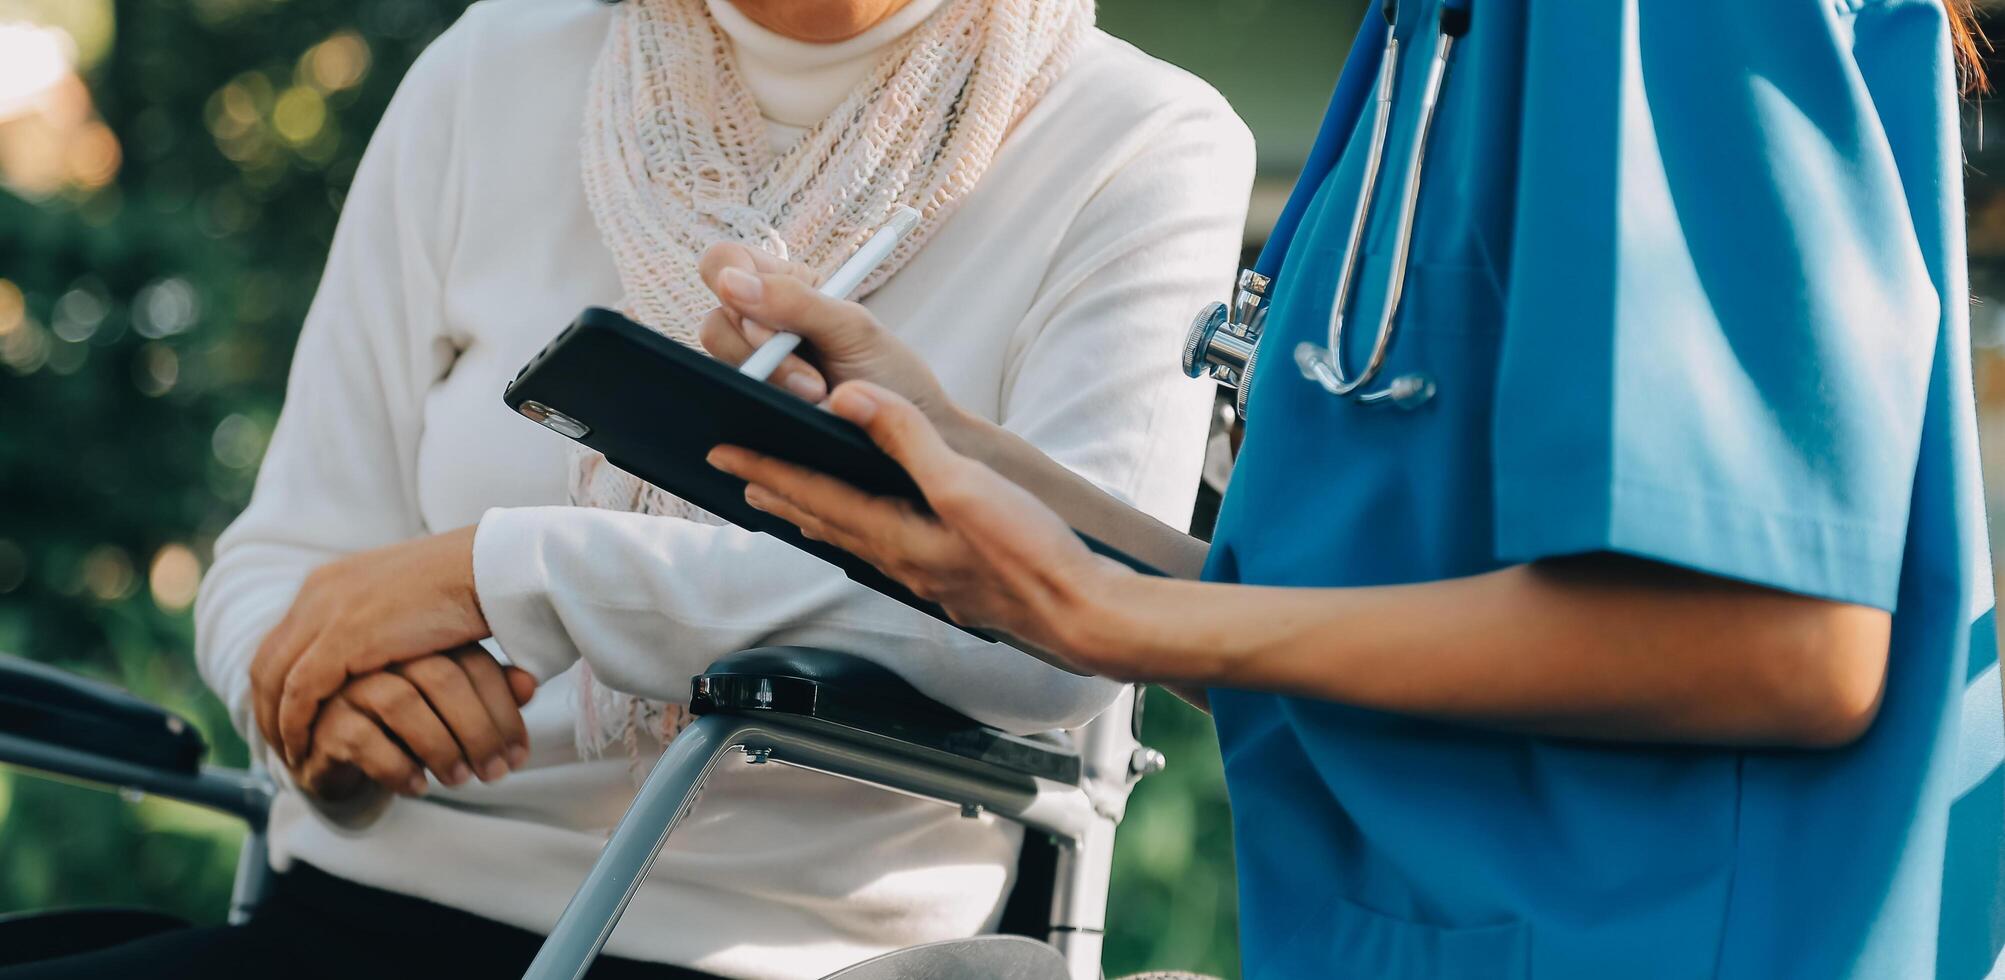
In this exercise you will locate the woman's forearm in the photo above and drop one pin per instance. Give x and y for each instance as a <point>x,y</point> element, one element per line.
<point>1599,648</point>
<point>1089,509</point>
<point>651,601</point>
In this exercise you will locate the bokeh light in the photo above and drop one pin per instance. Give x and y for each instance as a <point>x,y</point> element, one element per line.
<point>51,139</point>
<point>299,114</point>
<point>33,59</point>
<point>24,345</point>
<point>93,156</point>
<point>87,25</point>
<point>175,576</point>
<point>236,107</point>
<point>336,64</point>
<point>13,307</point>
<point>238,442</point>
<point>155,370</point>
<point>80,312</point>
<point>164,307</point>
<point>107,573</point>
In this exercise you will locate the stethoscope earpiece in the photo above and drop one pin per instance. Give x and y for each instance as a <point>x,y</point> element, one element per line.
<point>1408,391</point>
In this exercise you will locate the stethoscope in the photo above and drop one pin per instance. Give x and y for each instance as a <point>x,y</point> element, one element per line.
<point>1224,340</point>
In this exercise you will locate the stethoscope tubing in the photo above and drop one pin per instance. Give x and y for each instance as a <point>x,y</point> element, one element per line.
<point>1326,365</point>
<point>1360,218</point>
<point>1354,91</point>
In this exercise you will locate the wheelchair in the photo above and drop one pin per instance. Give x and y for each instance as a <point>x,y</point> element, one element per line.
<point>816,709</point>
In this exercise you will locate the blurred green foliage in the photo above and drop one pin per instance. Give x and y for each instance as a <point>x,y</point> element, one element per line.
<point>139,374</point>
<point>146,359</point>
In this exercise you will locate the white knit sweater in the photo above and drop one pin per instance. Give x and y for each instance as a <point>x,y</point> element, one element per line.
<point>1052,302</point>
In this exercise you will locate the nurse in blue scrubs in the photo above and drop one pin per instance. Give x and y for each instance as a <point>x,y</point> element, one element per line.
<point>1658,642</point>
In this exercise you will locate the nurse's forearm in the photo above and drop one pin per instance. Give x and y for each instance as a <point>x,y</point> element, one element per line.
<point>1083,505</point>
<point>1604,648</point>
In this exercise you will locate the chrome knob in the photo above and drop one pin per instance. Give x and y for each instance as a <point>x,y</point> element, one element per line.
<point>1197,342</point>
<point>1145,761</point>
<point>1251,295</point>
<point>1245,386</point>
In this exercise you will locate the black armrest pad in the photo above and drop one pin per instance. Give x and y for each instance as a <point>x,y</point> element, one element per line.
<point>849,691</point>
<point>43,704</point>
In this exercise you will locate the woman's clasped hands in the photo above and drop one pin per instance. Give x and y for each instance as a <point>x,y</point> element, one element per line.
<point>374,676</point>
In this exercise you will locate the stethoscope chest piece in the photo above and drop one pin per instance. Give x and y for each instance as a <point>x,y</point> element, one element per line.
<point>1224,341</point>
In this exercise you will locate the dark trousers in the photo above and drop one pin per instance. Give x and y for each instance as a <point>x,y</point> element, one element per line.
<point>314,926</point>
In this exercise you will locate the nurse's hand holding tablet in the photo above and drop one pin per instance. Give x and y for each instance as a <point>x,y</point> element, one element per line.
<point>1620,606</point>
<point>1596,647</point>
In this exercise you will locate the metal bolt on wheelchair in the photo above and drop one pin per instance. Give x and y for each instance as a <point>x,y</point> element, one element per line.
<point>816,709</point>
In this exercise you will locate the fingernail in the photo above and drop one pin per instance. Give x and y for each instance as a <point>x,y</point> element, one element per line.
<point>757,498</point>
<point>417,786</point>
<point>493,769</point>
<point>743,286</point>
<point>518,756</point>
<point>459,774</point>
<point>854,404</point>
<point>721,458</point>
<point>757,333</point>
<point>805,385</point>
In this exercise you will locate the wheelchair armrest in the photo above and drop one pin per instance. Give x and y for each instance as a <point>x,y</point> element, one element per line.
<point>41,704</point>
<point>841,692</point>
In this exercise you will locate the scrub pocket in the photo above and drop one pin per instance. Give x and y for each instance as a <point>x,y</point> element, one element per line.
<point>1453,299</point>
<point>1363,943</point>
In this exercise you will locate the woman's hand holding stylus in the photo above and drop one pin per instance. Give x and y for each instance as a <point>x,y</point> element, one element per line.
<point>844,341</point>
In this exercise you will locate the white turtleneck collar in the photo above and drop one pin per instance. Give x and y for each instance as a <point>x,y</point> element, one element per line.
<point>798,83</point>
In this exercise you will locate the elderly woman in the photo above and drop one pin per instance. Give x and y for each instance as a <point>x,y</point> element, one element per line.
<point>545,155</point>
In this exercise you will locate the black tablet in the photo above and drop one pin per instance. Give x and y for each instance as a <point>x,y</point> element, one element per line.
<point>656,408</point>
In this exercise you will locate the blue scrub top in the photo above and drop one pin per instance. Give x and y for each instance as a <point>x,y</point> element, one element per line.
<point>1690,276</point>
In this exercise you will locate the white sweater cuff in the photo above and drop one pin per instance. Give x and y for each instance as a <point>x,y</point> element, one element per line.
<point>511,581</point>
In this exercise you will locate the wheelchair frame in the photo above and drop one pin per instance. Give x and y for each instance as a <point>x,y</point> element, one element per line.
<point>817,710</point>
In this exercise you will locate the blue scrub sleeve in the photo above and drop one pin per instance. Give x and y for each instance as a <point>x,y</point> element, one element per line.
<point>1721,322</point>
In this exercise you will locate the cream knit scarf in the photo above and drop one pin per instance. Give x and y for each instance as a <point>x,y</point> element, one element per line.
<point>676,159</point>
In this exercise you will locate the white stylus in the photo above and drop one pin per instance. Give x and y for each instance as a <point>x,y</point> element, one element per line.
<point>839,285</point>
